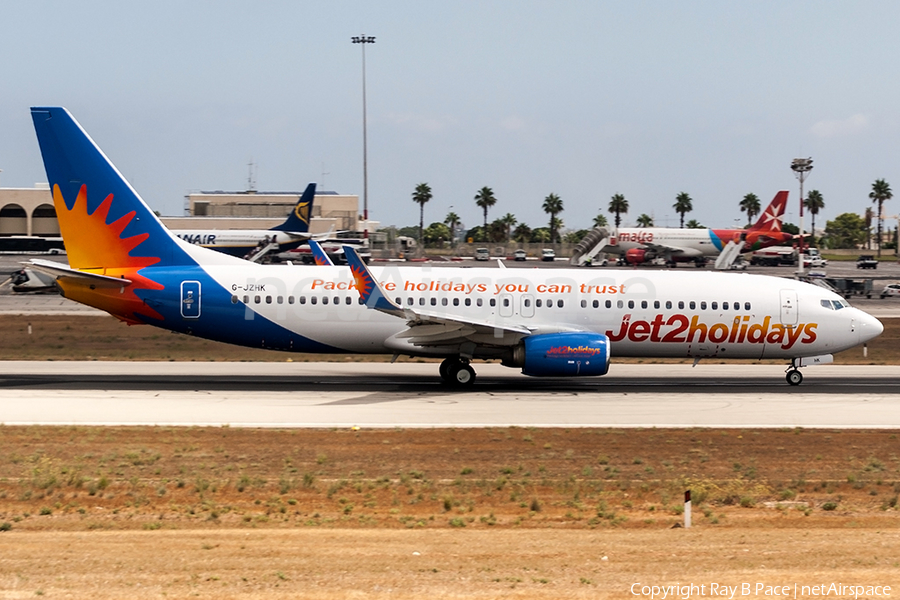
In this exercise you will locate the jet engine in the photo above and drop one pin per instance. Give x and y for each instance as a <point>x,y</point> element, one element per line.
<point>563,355</point>
<point>636,256</point>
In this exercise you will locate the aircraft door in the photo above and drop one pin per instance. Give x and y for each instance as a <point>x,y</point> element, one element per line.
<point>788,307</point>
<point>506,305</point>
<point>190,299</point>
<point>527,308</point>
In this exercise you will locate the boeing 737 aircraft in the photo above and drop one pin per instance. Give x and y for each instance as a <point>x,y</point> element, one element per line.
<point>253,244</point>
<point>643,244</point>
<point>546,322</point>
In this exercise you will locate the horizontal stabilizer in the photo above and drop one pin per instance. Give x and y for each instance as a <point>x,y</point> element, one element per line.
<point>61,271</point>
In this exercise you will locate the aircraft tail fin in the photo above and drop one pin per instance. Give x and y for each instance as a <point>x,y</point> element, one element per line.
<point>298,220</point>
<point>103,221</point>
<point>771,218</point>
<point>319,255</point>
<point>368,287</point>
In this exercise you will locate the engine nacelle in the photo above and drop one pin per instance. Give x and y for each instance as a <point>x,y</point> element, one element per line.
<point>566,355</point>
<point>636,256</point>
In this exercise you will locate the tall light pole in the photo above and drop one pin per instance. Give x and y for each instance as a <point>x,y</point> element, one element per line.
<point>363,40</point>
<point>801,168</point>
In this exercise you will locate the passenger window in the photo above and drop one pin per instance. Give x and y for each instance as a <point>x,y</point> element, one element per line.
<point>421,301</point>
<point>559,303</point>
<point>538,302</point>
<point>681,304</point>
<point>324,299</point>
<point>443,302</point>
<point>409,301</point>
<point>434,301</point>
<point>246,299</point>
<point>468,302</point>
<point>312,300</point>
<point>302,299</point>
<point>724,306</point>
<point>493,302</point>
<point>609,304</point>
<point>620,304</point>
<point>715,305</point>
<point>478,302</point>
<point>631,304</point>
<point>596,304</point>
<point>335,300</point>
<point>644,304</point>
<point>746,306</point>
<point>693,305</point>
<point>526,302</point>
<point>290,299</point>
<point>505,302</point>
<point>668,304</point>
<point>256,299</point>
<point>456,302</point>
<point>360,301</point>
<point>703,306</point>
<point>398,301</point>
<point>584,304</point>
<point>349,301</point>
<point>656,304</point>
<point>280,299</point>
<point>234,299</point>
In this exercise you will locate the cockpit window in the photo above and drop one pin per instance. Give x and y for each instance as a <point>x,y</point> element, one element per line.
<point>826,304</point>
<point>838,304</point>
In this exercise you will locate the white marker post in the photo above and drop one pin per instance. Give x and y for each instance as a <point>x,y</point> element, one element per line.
<point>687,509</point>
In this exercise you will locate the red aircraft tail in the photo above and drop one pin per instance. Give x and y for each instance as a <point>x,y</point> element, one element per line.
<point>771,218</point>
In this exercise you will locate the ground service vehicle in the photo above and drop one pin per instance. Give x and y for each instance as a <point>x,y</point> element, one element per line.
<point>866,261</point>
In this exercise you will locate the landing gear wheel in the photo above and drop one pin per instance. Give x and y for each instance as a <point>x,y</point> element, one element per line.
<point>794,377</point>
<point>462,375</point>
<point>445,367</point>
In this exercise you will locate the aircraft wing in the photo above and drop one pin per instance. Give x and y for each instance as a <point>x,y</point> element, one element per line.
<point>427,328</point>
<point>670,250</point>
<point>61,271</point>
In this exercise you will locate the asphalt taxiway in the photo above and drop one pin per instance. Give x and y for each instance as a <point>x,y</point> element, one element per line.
<point>411,395</point>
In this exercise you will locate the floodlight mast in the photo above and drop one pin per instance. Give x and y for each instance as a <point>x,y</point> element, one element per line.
<point>363,40</point>
<point>801,168</point>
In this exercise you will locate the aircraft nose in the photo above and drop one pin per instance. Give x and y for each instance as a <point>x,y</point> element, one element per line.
<point>869,327</point>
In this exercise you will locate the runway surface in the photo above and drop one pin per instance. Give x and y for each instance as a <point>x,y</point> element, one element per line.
<point>411,395</point>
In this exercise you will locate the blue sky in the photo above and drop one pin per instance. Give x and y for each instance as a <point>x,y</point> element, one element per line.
<point>581,99</point>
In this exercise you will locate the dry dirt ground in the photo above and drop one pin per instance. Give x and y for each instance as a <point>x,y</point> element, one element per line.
<point>486,513</point>
<point>496,512</point>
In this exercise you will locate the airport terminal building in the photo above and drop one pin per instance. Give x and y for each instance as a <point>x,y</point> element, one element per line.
<point>30,211</point>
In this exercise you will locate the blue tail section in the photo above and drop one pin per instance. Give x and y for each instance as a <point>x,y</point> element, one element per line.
<point>369,289</point>
<point>319,255</point>
<point>81,175</point>
<point>298,220</point>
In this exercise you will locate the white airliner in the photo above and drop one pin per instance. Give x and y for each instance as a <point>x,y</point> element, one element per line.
<point>253,244</point>
<point>643,244</point>
<point>546,322</point>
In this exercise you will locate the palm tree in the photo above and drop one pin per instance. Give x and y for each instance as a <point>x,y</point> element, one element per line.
<point>522,233</point>
<point>813,204</point>
<point>868,219</point>
<point>645,220</point>
<point>750,205</point>
<point>600,220</point>
<point>421,196</point>
<point>618,205</point>
<point>881,191</point>
<point>509,220</point>
<point>553,206</point>
<point>452,221</point>
<point>694,224</point>
<point>485,199</point>
<point>682,206</point>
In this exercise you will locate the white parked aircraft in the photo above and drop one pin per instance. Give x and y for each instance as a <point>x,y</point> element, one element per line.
<point>547,322</point>
<point>254,244</point>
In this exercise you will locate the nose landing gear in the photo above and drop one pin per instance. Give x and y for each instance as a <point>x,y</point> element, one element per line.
<point>457,372</point>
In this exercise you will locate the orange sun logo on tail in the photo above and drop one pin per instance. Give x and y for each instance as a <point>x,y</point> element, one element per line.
<point>96,246</point>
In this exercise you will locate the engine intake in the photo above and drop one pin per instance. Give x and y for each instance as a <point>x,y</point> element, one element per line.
<point>566,355</point>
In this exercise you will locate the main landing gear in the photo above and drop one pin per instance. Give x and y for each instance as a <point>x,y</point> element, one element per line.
<point>457,372</point>
<point>793,374</point>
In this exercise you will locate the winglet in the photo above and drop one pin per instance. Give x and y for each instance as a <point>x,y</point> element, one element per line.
<point>298,220</point>
<point>319,255</point>
<point>369,289</point>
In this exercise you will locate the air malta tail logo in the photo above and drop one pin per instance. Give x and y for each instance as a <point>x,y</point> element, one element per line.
<point>301,211</point>
<point>771,219</point>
